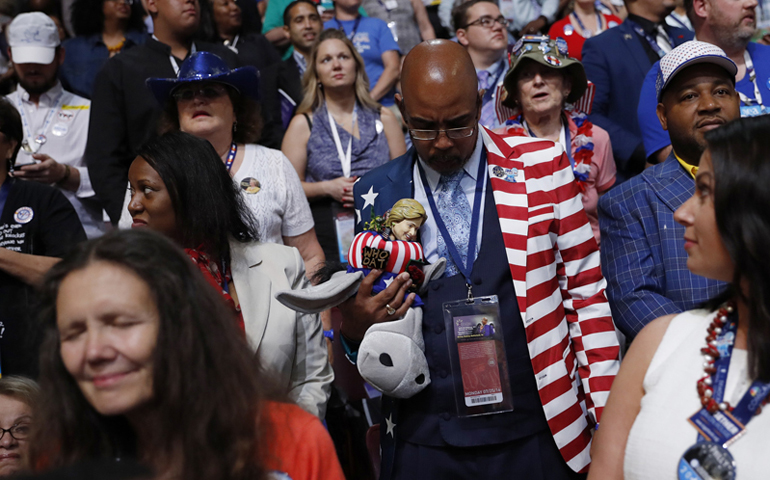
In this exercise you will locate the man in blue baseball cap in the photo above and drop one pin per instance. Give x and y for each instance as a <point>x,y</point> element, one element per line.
<point>642,255</point>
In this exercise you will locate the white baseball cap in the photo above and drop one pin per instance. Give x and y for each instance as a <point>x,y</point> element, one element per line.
<point>33,38</point>
<point>687,54</point>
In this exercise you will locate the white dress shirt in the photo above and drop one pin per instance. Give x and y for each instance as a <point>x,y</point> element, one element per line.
<point>66,135</point>
<point>429,230</point>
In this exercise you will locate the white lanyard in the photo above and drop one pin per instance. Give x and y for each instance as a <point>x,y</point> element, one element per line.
<point>345,157</point>
<point>231,45</point>
<point>171,58</point>
<point>34,146</point>
<point>753,78</point>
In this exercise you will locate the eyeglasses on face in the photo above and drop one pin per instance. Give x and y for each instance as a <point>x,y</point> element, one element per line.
<point>488,22</point>
<point>19,431</point>
<point>452,133</point>
<point>209,92</point>
<point>127,2</point>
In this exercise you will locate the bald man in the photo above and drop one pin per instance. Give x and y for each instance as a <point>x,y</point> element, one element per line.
<point>524,401</point>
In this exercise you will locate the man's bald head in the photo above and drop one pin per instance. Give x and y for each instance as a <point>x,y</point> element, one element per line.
<point>438,64</point>
<point>440,92</point>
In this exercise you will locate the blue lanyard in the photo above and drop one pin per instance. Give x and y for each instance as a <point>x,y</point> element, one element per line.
<point>4,190</point>
<point>491,90</point>
<point>476,213</point>
<point>584,29</point>
<point>747,406</point>
<point>654,44</point>
<point>672,17</point>
<point>352,34</point>
<point>231,156</point>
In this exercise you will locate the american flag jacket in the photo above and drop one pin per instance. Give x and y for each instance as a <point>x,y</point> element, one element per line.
<point>554,264</point>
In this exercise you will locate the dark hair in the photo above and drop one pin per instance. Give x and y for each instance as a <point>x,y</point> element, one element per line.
<point>207,388</point>
<point>208,206</point>
<point>246,110</point>
<point>10,126</point>
<point>88,17</point>
<point>741,204</point>
<point>460,12</point>
<point>287,12</point>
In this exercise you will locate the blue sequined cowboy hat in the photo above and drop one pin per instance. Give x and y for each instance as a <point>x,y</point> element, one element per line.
<point>205,66</point>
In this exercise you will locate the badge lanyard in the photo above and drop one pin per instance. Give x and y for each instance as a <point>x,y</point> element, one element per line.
<point>754,396</point>
<point>465,269</point>
<point>674,18</point>
<point>653,43</point>
<point>40,140</point>
<point>4,190</point>
<point>352,34</point>
<point>232,46</point>
<point>174,65</point>
<point>345,157</point>
<point>231,156</point>
<point>757,100</point>
<point>583,28</point>
<point>501,69</point>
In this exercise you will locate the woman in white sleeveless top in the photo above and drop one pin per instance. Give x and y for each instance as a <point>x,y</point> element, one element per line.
<point>645,429</point>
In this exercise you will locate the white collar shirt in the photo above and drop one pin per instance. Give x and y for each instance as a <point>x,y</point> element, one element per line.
<point>65,141</point>
<point>429,231</point>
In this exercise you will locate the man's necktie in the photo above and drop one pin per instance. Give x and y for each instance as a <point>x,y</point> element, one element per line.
<point>488,109</point>
<point>456,214</point>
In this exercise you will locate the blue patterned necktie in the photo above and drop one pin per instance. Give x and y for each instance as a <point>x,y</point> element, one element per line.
<point>456,214</point>
<point>488,116</point>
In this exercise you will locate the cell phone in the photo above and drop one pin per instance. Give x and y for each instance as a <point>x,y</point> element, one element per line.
<point>23,159</point>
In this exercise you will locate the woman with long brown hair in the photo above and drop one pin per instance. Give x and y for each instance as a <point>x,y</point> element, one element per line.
<point>339,133</point>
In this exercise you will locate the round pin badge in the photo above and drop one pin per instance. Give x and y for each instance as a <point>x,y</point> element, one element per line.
<point>23,215</point>
<point>40,139</point>
<point>498,171</point>
<point>552,60</point>
<point>569,29</point>
<point>251,185</point>
<point>60,129</point>
<point>706,461</point>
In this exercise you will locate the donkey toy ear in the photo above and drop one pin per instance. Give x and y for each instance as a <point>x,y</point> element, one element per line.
<point>315,299</point>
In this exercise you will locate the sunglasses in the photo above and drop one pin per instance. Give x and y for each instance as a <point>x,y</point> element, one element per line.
<point>208,92</point>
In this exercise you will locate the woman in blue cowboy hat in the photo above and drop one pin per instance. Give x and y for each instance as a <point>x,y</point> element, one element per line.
<point>220,105</point>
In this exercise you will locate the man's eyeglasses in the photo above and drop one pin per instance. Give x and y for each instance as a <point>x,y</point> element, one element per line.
<point>209,92</point>
<point>452,133</point>
<point>488,22</point>
<point>19,432</point>
<point>127,2</point>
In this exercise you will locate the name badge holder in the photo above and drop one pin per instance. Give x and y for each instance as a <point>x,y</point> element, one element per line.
<point>718,427</point>
<point>473,327</point>
<point>477,356</point>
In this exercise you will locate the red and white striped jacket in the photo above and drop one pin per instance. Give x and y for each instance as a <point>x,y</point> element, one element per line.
<point>554,263</point>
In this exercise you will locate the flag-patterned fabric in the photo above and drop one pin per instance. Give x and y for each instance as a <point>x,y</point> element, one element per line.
<point>401,252</point>
<point>556,274</point>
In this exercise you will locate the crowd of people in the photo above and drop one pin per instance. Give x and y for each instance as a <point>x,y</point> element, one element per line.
<point>578,290</point>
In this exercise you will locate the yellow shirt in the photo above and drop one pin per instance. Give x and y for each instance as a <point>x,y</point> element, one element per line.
<point>691,169</point>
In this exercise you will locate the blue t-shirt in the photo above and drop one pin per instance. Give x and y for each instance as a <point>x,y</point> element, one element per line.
<point>372,38</point>
<point>655,137</point>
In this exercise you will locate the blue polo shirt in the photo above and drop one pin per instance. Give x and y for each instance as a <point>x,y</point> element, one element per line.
<point>372,38</point>
<point>653,135</point>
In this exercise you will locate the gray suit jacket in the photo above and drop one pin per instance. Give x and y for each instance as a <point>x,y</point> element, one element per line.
<point>289,345</point>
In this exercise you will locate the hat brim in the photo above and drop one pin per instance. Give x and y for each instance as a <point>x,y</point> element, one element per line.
<point>245,80</point>
<point>39,55</point>
<point>719,60</point>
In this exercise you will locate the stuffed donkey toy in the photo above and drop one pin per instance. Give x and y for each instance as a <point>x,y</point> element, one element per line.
<point>391,356</point>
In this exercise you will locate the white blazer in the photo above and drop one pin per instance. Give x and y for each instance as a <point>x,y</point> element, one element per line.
<point>290,345</point>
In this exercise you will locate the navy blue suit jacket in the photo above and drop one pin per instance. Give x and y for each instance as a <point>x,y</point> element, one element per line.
<point>643,256</point>
<point>425,419</point>
<point>616,62</point>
